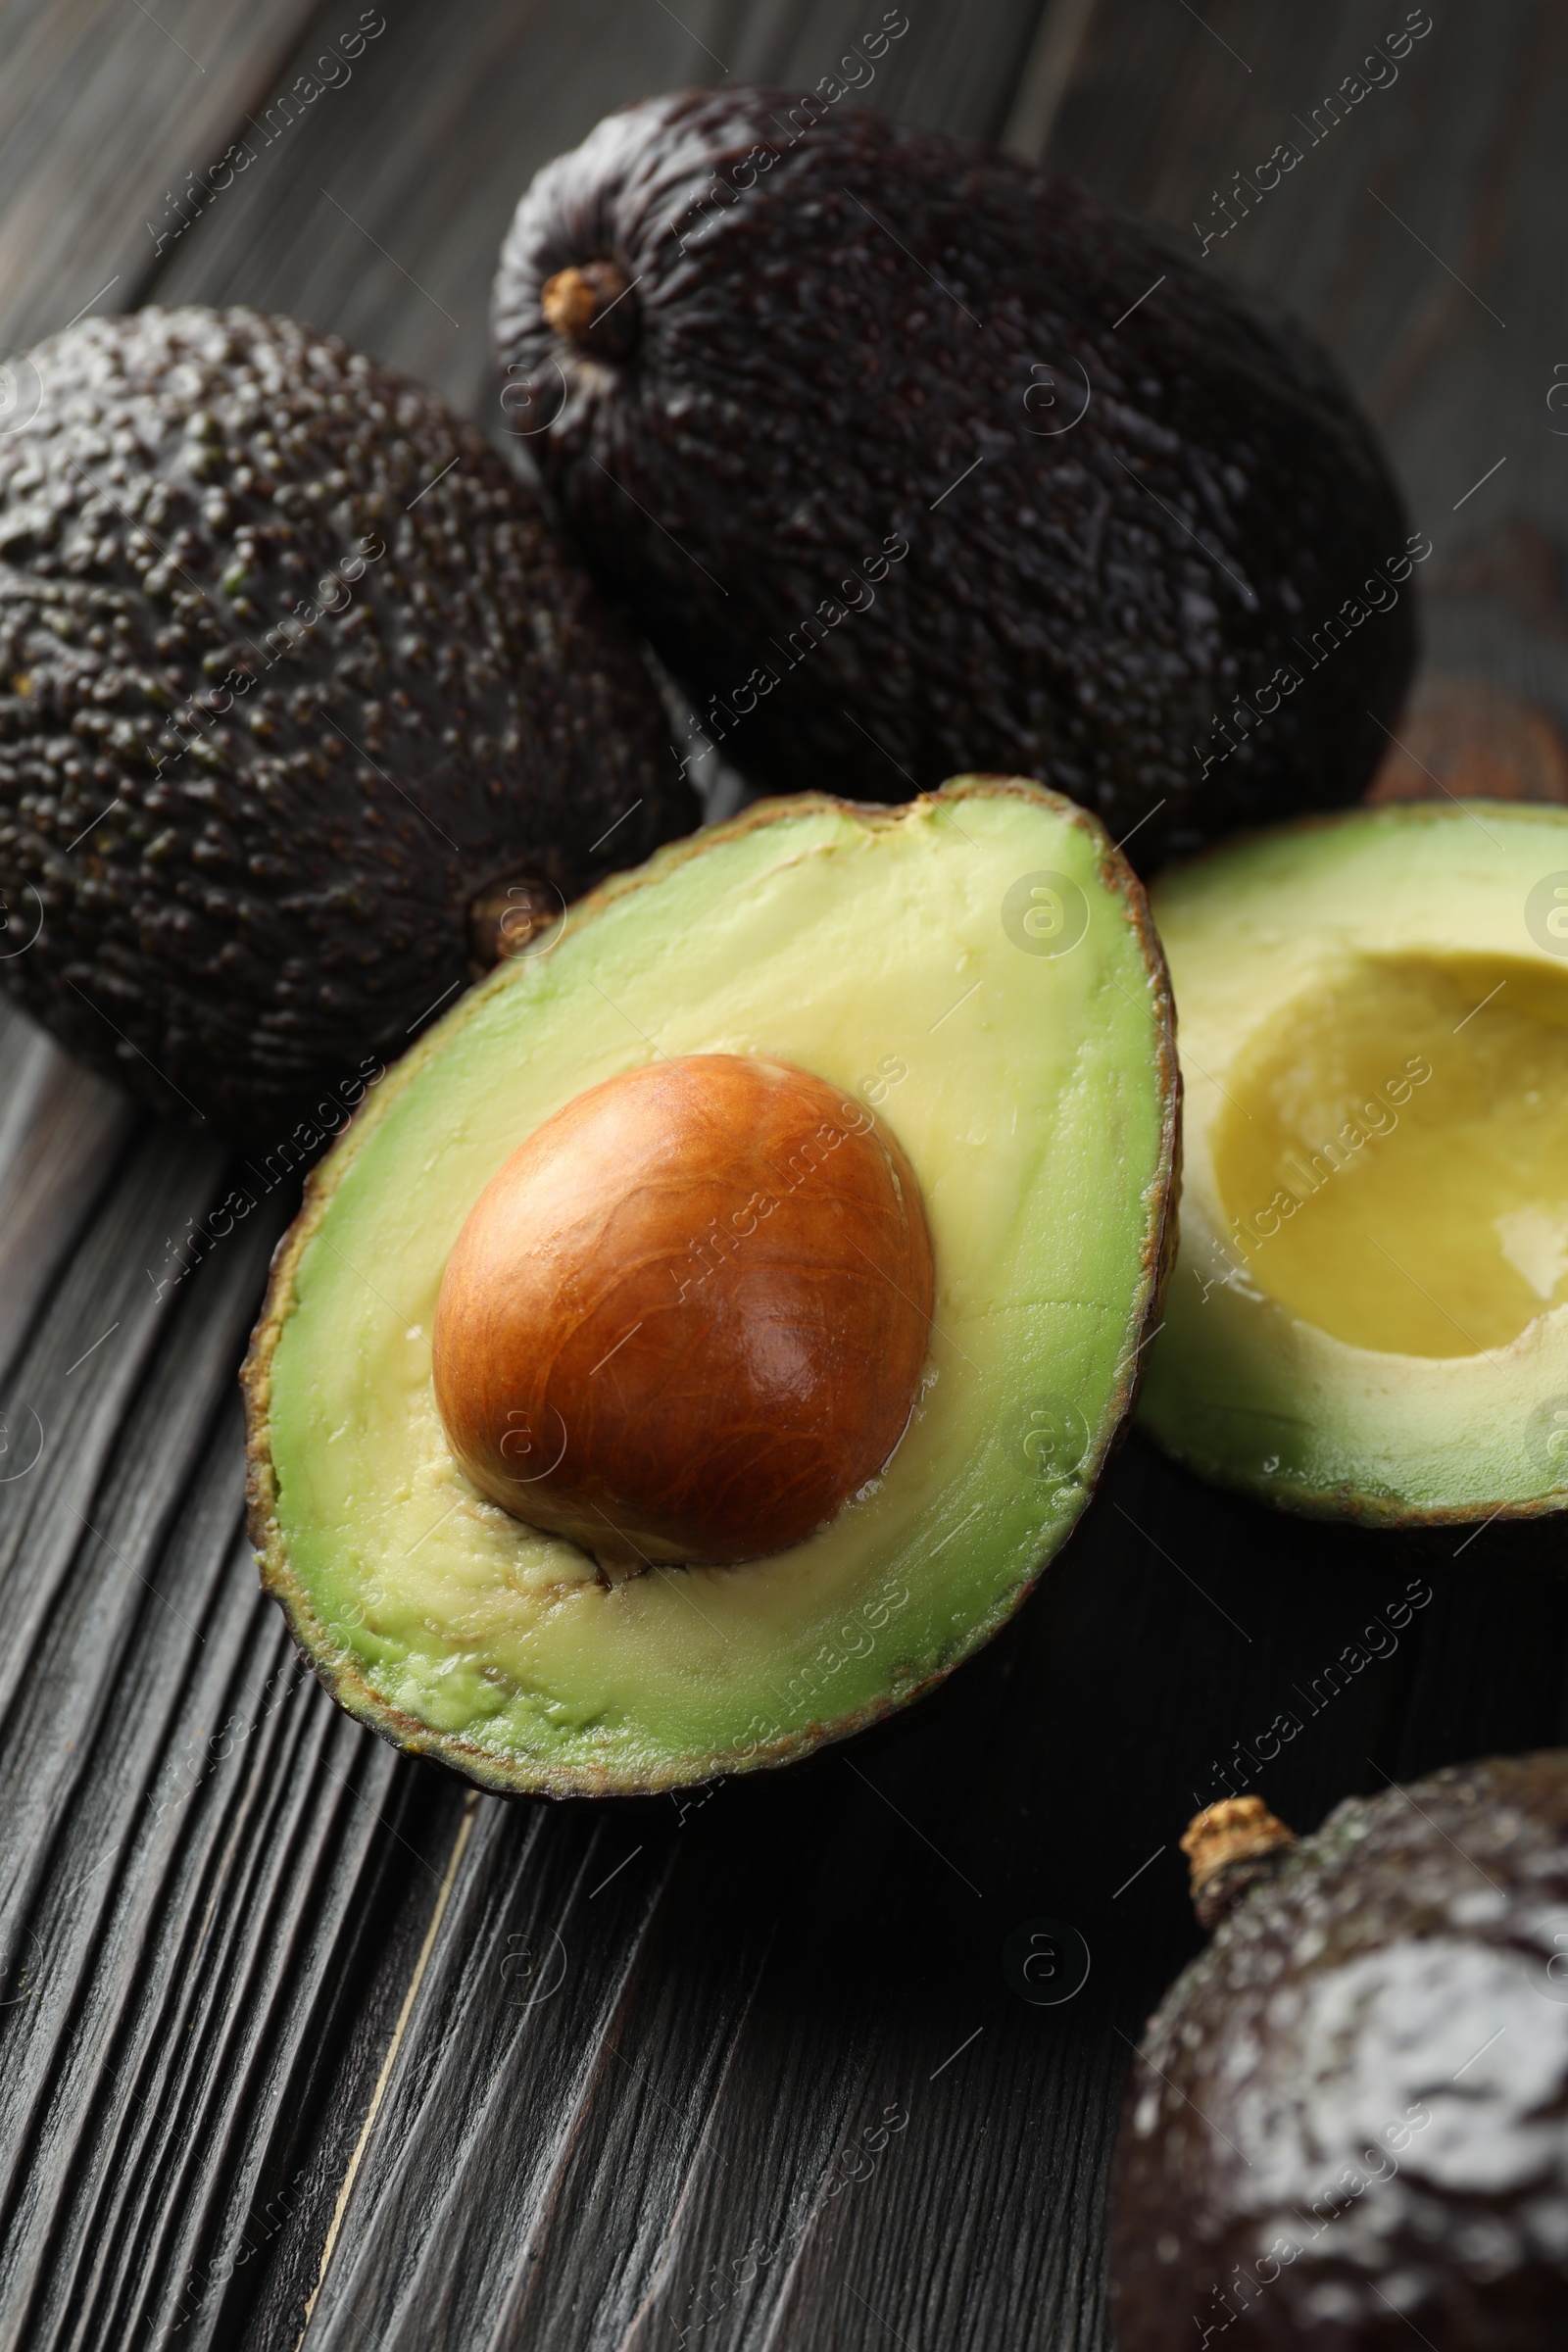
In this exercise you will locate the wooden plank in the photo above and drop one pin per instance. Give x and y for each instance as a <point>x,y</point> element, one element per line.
<point>61,1133</point>
<point>195,1846</point>
<point>104,112</point>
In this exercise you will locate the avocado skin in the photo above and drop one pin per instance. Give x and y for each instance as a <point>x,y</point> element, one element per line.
<point>823,360</point>
<point>267,914</point>
<point>1289,2048</point>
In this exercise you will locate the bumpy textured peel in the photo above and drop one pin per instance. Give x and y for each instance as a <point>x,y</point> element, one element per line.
<point>291,669</point>
<point>1035,1096</point>
<point>1345,2122</point>
<point>1077,506</point>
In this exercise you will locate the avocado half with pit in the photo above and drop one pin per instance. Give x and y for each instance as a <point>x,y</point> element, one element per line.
<point>701,1339</point>
<point>1369,1316</point>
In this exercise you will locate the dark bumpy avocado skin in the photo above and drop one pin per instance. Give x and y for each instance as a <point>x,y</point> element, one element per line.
<point>828,327</point>
<point>1369,2065</point>
<point>248,861</point>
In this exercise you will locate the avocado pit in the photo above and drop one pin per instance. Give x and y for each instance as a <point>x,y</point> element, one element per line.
<point>686,1320</point>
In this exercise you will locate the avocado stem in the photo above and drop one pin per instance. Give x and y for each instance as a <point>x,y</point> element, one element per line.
<point>577,303</point>
<point>506,917</point>
<point>1230,1847</point>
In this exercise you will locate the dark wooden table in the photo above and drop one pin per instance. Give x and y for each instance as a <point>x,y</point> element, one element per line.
<point>301,2042</point>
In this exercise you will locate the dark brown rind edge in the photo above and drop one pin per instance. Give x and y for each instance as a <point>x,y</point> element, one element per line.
<point>335,1667</point>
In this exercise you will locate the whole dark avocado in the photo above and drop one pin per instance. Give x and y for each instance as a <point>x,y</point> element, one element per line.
<point>1348,2124</point>
<point>908,459</point>
<point>306,714</point>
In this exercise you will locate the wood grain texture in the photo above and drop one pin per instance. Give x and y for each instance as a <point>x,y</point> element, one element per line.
<point>379,210</point>
<point>61,1130</point>
<point>104,112</point>
<point>193,1834</point>
<point>742,2068</point>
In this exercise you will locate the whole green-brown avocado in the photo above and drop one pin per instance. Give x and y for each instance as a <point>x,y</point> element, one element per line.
<point>1347,2127</point>
<point>306,713</point>
<point>909,459</point>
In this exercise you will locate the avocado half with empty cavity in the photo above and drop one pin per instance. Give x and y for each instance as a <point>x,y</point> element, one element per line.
<point>306,713</point>
<point>705,1336</point>
<point>1369,1315</point>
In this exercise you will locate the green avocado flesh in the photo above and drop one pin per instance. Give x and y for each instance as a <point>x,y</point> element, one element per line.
<point>977,969</point>
<point>1369,1314</point>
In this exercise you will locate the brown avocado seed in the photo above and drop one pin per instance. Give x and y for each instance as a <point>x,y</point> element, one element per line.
<point>686,1320</point>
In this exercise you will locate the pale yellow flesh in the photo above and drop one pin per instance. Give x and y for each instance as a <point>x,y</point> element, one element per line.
<point>1369,1312</point>
<point>1023,1088</point>
<point>1394,1155</point>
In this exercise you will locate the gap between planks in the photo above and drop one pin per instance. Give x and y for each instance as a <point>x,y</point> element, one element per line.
<point>460,1842</point>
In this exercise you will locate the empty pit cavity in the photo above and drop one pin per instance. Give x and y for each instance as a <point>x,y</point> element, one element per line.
<point>1392,1157</point>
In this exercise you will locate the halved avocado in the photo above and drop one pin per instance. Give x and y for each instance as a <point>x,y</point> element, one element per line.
<point>1369,1317</point>
<point>977,969</point>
